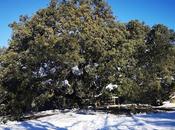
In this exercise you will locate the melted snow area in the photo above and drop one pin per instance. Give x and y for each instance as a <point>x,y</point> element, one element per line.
<point>73,120</point>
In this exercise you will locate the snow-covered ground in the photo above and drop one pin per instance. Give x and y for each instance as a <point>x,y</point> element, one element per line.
<point>168,104</point>
<point>73,120</point>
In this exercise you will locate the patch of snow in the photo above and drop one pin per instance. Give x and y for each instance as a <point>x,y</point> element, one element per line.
<point>76,71</point>
<point>118,68</point>
<point>96,64</point>
<point>147,50</point>
<point>172,42</point>
<point>120,75</point>
<point>58,34</point>
<point>34,74</point>
<point>24,67</point>
<point>53,70</point>
<point>173,97</point>
<point>96,77</point>
<point>77,31</point>
<point>98,95</point>
<point>49,81</point>
<point>111,86</point>
<point>71,32</point>
<point>45,65</point>
<point>141,83</point>
<point>168,104</point>
<point>42,72</point>
<point>134,77</point>
<point>159,78</point>
<point>66,83</point>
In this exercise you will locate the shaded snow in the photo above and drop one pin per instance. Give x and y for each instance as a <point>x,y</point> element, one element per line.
<point>49,81</point>
<point>73,120</point>
<point>53,70</point>
<point>76,71</point>
<point>66,83</point>
<point>42,72</point>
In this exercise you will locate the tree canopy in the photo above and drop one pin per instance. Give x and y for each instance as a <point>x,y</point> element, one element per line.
<point>65,55</point>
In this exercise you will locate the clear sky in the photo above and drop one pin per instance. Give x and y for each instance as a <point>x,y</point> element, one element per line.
<point>149,11</point>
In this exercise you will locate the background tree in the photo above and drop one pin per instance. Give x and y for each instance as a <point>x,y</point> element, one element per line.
<point>130,85</point>
<point>157,63</point>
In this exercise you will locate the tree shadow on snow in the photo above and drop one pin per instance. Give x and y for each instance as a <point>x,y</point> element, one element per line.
<point>40,126</point>
<point>6,128</point>
<point>74,124</point>
<point>159,119</point>
<point>117,125</point>
<point>163,115</point>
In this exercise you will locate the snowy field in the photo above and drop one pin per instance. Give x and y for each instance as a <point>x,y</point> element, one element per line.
<point>73,120</point>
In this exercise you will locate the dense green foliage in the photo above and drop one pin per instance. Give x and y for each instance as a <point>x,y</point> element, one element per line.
<point>65,55</point>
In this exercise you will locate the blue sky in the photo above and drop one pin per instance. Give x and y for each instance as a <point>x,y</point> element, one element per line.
<point>149,11</point>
